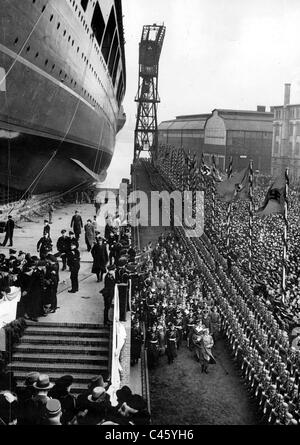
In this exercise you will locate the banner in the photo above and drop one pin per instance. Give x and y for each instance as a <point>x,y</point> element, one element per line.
<point>8,306</point>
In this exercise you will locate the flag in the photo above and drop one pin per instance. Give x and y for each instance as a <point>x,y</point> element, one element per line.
<point>205,170</point>
<point>275,198</point>
<point>234,188</point>
<point>216,175</point>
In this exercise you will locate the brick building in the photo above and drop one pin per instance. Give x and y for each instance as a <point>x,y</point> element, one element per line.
<point>286,137</point>
<point>242,135</point>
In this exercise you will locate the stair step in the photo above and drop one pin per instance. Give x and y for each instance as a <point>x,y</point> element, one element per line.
<point>61,349</point>
<point>60,358</point>
<point>65,332</point>
<point>79,378</point>
<point>62,368</point>
<point>40,339</point>
<point>66,325</point>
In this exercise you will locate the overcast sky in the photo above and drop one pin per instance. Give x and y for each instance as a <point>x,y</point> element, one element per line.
<point>217,54</point>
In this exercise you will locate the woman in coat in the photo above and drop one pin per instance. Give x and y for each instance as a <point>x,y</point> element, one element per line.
<point>100,256</point>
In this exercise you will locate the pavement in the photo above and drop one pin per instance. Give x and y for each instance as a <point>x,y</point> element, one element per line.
<point>182,395</point>
<point>86,306</point>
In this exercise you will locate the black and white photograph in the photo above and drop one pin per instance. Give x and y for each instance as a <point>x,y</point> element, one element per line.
<point>149,215</point>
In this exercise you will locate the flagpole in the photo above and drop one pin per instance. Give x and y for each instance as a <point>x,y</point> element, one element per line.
<point>201,172</point>
<point>213,196</point>
<point>285,236</point>
<point>229,207</point>
<point>182,168</point>
<point>251,213</point>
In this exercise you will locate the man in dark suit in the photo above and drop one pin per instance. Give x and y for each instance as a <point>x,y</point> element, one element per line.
<point>72,240</point>
<point>63,247</point>
<point>9,231</point>
<point>47,227</point>
<point>44,246</point>
<point>74,265</point>
<point>77,224</point>
<point>108,292</point>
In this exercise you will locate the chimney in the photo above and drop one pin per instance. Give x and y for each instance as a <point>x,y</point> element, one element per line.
<point>287,93</point>
<point>261,108</point>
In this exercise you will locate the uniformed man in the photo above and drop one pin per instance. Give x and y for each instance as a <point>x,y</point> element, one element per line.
<point>108,292</point>
<point>63,245</point>
<point>44,246</point>
<point>73,261</point>
<point>171,343</point>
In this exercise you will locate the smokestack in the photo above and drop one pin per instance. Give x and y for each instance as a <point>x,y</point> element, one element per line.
<point>261,108</point>
<point>287,93</point>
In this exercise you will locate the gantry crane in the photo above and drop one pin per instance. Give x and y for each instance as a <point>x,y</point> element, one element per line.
<point>147,97</point>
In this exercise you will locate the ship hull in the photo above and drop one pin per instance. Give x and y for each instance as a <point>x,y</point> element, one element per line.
<point>58,119</point>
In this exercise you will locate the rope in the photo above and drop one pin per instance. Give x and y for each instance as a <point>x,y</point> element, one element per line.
<point>23,46</point>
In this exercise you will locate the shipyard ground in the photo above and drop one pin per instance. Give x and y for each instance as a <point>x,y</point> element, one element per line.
<point>87,305</point>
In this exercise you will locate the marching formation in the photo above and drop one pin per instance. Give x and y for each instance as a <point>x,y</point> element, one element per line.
<point>175,305</point>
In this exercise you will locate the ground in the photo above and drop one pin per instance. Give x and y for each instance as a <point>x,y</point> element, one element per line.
<point>87,305</point>
<point>182,395</point>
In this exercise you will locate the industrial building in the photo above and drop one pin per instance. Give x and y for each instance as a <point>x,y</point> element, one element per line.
<point>286,138</point>
<point>242,135</point>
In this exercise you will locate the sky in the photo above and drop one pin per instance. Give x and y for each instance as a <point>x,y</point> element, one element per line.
<point>217,54</point>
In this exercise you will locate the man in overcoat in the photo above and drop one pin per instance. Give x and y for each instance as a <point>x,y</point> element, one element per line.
<point>77,224</point>
<point>9,231</point>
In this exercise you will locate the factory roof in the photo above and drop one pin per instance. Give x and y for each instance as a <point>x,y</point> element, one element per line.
<point>235,120</point>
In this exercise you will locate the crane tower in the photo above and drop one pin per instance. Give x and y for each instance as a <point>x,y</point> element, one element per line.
<point>147,97</point>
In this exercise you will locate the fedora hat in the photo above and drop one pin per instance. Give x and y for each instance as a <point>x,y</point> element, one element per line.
<point>65,381</point>
<point>53,408</point>
<point>98,393</point>
<point>96,382</point>
<point>43,382</point>
<point>31,378</point>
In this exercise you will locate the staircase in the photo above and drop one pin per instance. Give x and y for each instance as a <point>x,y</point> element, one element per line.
<point>81,350</point>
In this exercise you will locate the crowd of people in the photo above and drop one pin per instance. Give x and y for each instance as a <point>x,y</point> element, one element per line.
<point>267,252</point>
<point>268,357</point>
<point>265,275</point>
<point>41,402</point>
<point>183,290</point>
